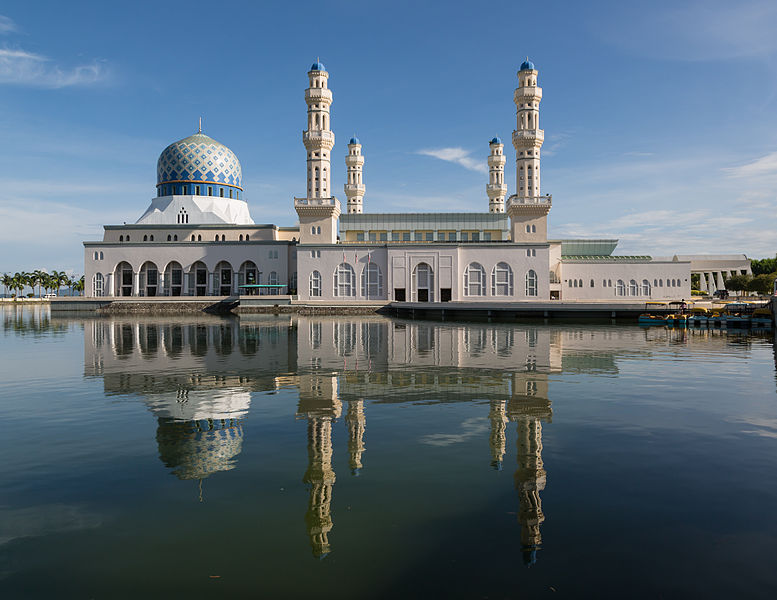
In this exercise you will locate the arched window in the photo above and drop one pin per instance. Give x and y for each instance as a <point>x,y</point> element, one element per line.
<point>344,281</point>
<point>101,255</point>
<point>609,283</point>
<point>97,285</point>
<point>121,238</point>
<point>531,283</point>
<point>372,281</point>
<point>247,237</point>
<point>592,283</point>
<point>318,230</point>
<point>502,280</point>
<point>240,237</point>
<point>169,237</point>
<point>645,287</point>
<point>199,238</point>
<point>192,237</point>
<point>145,238</point>
<point>620,288</point>
<point>313,230</point>
<point>315,284</point>
<point>604,283</point>
<point>175,237</point>
<point>273,280</point>
<point>534,229</point>
<point>660,283</point>
<point>474,280</point>
<point>580,283</point>
<point>95,256</point>
<point>151,238</point>
<point>569,282</point>
<point>633,288</point>
<point>574,283</point>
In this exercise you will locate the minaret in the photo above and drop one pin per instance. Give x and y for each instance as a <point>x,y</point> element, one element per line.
<point>496,188</point>
<point>354,187</point>
<point>318,138</point>
<point>354,419</point>
<point>528,137</point>
<point>321,478</point>
<point>528,210</point>
<point>319,210</point>
<point>498,417</point>
<point>530,480</point>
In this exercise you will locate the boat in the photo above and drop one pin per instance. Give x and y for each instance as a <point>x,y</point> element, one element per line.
<point>649,317</point>
<point>699,317</point>
<point>761,318</point>
<point>737,314</point>
<point>677,316</point>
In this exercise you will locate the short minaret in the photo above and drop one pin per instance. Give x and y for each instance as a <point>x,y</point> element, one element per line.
<point>319,210</point>
<point>528,210</point>
<point>496,188</point>
<point>354,186</point>
<point>318,138</point>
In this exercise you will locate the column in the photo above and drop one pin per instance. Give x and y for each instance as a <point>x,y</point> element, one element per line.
<point>136,283</point>
<point>702,282</point>
<point>185,282</point>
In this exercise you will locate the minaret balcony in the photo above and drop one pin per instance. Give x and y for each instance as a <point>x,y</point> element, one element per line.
<point>318,95</point>
<point>523,136</point>
<point>521,202</point>
<point>316,201</point>
<point>354,189</point>
<point>528,94</point>
<point>318,138</point>
<point>352,160</point>
<point>496,189</point>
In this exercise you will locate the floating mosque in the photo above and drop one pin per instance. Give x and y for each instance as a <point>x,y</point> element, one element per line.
<point>197,237</point>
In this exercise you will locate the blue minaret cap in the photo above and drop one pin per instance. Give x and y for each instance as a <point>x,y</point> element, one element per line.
<point>496,140</point>
<point>527,65</point>
<point>318,66</point>
<point>354,140</point>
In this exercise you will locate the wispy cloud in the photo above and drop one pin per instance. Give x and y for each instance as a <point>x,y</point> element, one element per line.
<point>470,428</point>
<point>20,67</point>
<point>6,25</point>
<point>766,165</point>
<point>458,156</point>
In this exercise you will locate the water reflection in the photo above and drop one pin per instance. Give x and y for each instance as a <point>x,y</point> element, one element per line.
<point>197,377</point>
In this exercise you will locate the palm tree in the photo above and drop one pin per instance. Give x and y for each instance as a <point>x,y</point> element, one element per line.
<point>6,280</point>
<point>39,274</point>
<point>17,283</point>
<point>79,286</point>
<point>62,279</point>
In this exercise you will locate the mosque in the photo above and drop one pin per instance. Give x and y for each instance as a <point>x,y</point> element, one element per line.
<point>197,237</point>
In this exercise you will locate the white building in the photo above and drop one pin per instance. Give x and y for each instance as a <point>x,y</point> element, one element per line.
<point>197,237</point>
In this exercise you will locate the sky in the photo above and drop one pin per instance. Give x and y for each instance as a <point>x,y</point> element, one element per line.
<point>660,118</point>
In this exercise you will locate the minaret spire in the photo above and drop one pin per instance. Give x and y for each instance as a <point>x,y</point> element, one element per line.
<point>527,137</point>
<point>199,129</point>
<point>354,186</point>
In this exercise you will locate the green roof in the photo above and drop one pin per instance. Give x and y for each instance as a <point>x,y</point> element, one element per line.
<point>610,258</point>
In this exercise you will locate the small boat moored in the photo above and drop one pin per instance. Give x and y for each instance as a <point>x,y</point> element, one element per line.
<point>655,313</point>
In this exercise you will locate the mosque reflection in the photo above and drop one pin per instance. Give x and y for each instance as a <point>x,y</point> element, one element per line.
<point>197,376</point>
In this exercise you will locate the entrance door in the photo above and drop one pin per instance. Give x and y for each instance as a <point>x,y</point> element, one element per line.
<point>201,282</point>
<point>423,283</point>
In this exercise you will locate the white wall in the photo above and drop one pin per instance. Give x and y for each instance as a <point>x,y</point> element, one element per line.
<point>658,275</point>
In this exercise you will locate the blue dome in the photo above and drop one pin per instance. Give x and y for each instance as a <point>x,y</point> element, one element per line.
<point>496,140</point>
<point>199,159</point>
<point>317,66</point>
<point>527,65</point>
<point>354,140</point>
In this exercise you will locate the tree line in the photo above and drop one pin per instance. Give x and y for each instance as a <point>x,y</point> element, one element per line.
<point>762,279</point>
<point>43,281</point>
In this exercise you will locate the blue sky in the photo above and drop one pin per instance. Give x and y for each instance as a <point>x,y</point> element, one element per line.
<point>660,118</point>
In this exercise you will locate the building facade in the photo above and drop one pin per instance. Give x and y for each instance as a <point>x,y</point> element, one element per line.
<point>197,237</point>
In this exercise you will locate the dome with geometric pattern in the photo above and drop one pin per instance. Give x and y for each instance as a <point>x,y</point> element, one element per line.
<point>198,159</point>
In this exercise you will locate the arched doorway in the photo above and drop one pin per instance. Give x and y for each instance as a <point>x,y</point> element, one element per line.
<point>423,283</point>
<point>248,275</point>
<point>198,279</point>
<point>124,278</point>
<point>149,279</point>
<point>173,279</point>
<point>223,279</point>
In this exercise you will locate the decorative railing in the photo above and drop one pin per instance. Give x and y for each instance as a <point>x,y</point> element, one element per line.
<point>546,200</point>
<point>316,201</point>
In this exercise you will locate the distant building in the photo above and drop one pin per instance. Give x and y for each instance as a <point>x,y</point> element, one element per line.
<point>197,237</point>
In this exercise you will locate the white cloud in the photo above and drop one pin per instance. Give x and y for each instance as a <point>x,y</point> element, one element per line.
<point>6,25</point>
<point>766,165</point>
<point>458,156</point>
<point>470,428</point>
<point>20,67</point>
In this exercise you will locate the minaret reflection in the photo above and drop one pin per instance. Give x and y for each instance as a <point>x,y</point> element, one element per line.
<point>355,420</point>
<point>528,408</point>
<point>319,404</point>
<point>497,415</point>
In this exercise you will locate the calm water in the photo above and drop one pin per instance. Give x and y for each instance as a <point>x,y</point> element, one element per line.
<point>373,458</point>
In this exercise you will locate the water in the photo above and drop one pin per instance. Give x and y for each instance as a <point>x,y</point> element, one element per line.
<point>296,457</point>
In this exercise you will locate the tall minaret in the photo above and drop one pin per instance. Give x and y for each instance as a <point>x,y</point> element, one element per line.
<point>528,137</point>
<point>498,417</point>
<point>318,138</point>
<point>496,188</point>
<point>530,481</point>
<point>354,187</point>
